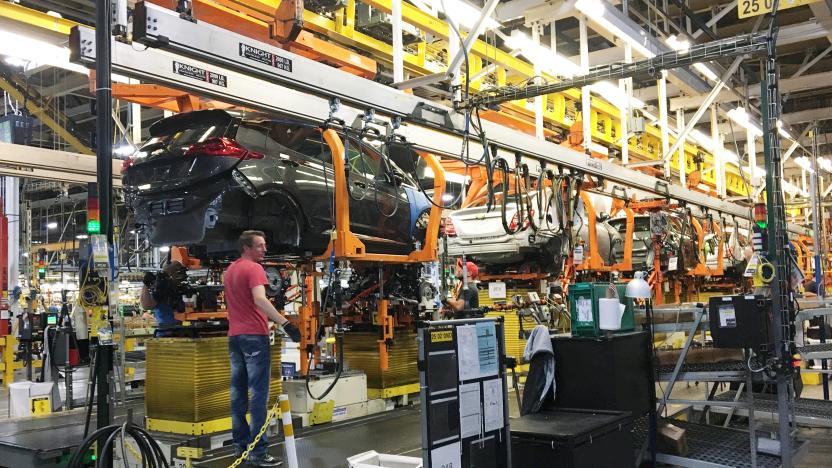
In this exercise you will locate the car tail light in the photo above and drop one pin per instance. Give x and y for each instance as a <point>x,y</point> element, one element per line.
<point>449,228</point>
<point>512,226</point>
<point>222,147</point>
<point>127,163</point>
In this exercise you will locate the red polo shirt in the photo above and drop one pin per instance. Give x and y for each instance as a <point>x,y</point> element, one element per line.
<point>244,318</point>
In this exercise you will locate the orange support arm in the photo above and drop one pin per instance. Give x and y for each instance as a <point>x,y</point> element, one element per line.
<point>386,322</point>
<point>592,260</point>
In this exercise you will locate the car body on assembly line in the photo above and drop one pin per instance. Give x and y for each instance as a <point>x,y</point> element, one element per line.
<point>533,236</point>
<point>206,176</point>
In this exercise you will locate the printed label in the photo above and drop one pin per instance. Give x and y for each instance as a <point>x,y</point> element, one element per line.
<point>265,57</point>
<point>201,74</point>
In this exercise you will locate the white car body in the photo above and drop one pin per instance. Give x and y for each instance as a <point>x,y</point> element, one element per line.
<point>480,233</point>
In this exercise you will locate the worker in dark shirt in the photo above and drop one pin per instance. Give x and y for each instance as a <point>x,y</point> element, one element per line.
<point>467,300</point>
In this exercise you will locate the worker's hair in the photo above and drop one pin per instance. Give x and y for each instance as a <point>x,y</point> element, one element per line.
<point>247,239</point>
<point>172,267</point>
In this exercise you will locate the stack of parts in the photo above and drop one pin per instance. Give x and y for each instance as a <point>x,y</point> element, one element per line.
<point>189,379</point>
<point>361,352</point>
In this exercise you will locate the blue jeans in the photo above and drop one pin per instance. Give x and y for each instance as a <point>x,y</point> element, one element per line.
<point>251,363</point>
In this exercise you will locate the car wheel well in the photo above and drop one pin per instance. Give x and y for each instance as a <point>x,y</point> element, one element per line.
<point>272,212</point>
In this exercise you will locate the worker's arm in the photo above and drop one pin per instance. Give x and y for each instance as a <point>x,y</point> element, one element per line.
<point>265,305</point>
<point>457,305</point>
<point>146,299</point>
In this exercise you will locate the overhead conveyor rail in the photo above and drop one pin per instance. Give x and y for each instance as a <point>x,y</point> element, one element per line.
<point>731,47</point>
<point>214,62</point>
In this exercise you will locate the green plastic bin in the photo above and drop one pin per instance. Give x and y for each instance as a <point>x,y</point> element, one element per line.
<point>584,295</point>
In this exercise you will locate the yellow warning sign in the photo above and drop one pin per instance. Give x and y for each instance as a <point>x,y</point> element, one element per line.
<point>441,336</point>
<point>749,8</point>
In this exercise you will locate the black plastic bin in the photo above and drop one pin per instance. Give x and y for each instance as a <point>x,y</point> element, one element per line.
<point>572,438</point>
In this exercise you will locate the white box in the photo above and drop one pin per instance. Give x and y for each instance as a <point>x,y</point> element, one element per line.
<point>21,392</point>
<point>373,459</point>
<point>350,389</point>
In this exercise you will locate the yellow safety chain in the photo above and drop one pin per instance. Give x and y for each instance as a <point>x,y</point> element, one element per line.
<point>271,414</point>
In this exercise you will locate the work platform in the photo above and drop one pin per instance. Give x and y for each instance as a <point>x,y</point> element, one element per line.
<point>807,411</point>
<point>717,447</point>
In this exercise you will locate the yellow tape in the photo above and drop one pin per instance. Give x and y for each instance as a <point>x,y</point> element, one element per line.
<point>441,336</point>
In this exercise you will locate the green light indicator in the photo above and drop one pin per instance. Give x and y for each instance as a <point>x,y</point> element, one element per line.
<point>93,226</point>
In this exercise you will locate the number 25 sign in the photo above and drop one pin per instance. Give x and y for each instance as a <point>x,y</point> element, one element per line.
<point>749,8</point>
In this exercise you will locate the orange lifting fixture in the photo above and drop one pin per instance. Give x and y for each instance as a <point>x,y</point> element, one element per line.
<point>701,268</point>
<point>344,245</point>
<point>592,259</point>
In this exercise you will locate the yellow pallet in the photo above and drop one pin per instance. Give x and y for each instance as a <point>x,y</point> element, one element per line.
<point>189,428</point>
<point>391,392</point>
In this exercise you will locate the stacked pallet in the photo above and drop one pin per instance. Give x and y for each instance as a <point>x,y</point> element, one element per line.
<point>189,379</point>
<point>361,352</point>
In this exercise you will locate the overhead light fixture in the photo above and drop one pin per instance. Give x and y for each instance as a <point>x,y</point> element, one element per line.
<point>17,62</point>
<point>82,236</point>
<point>804,163</point>
<point>679,45</point>
<point>705,71</point>
<point>729,157</point>
<point>741,117</point>
<point>461,11</point>
<point>683,46</point>
<point>825,164</point>
<point>124,150</point>
<point>164,248</point>
<point>758,171</point>
<point>446,197</point>
<point>782,131</point>
<point>52,225</point>
<point>549,61</point>
<point>36,52</point>
<point>595,11</point>
<point>702,139</point>
<point>615,95</point>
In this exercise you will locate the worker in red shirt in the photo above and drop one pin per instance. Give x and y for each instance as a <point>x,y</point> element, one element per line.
<point>249,312</point>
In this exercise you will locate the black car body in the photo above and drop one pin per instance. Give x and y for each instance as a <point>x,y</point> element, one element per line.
<point>206,176</point>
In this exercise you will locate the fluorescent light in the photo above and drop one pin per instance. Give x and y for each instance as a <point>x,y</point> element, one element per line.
<point>164,249</point>
<point>741,117</point>
<point>124,150</point>
<point>16,62</point>
<point>782,131</point>
<point>35,53</point>
<point>683,46</point>
<point>699,137</point>
<point>446,197</point>
<point>548,61</point>
<point>758,171</point>
<point>615,95</point>
<point>679,45</point>
<point>729,156</point>
<point>595,11</point>
<point>82,236</point>
<point>706,71</point>
<point>461,11</point>
<point>804,163</point>
<point>52,225</point>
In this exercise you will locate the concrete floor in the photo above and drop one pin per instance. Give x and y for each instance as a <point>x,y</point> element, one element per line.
<point>328,446</point>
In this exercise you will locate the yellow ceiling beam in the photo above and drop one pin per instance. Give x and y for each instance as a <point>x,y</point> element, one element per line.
<point>44,116</point>
<point>35,18</point>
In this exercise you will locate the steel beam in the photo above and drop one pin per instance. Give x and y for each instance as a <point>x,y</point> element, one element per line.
<point>49,164</point>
